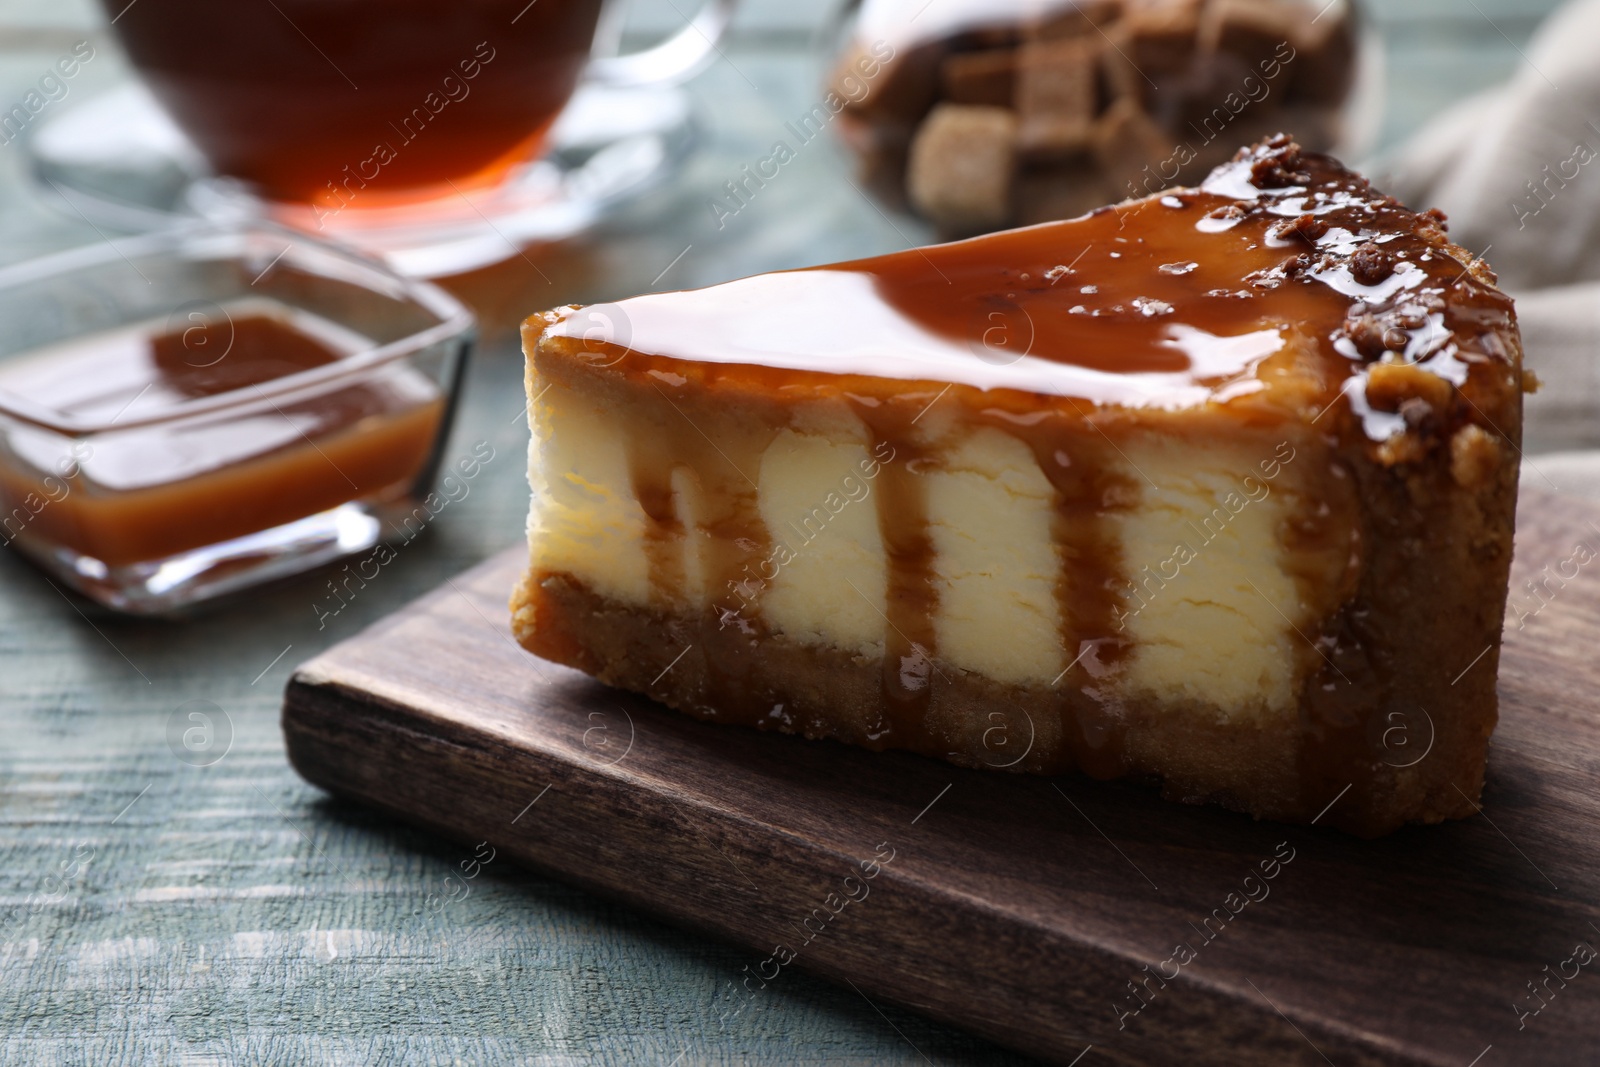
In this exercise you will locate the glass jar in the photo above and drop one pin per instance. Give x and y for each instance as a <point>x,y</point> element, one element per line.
<point>982,114</point>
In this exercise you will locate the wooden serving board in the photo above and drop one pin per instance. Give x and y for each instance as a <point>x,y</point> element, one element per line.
<point>1021,908</point>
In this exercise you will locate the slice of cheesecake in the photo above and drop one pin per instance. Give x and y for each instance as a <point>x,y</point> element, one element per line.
<point>1214,489</point>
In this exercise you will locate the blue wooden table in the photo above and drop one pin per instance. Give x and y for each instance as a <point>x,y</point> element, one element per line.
<point>156,911</point>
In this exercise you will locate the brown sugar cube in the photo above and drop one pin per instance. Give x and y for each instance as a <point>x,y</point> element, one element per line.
<point>1314,126</point>
<point>1126,140</point>
<point>1160,38</point>
<point>1218,119</point>
<point>1081,19</point>
<point>893,91</point>
<point>987,77</point>
<point>1261,37</point>
<point>1215,136</point>
<point>1324,68</point>
<point>962,162</point>
<point>1151,45</point>
<point>880,162</point>
<point>990,35</point>
<point>1057,97</point>
<point>1044,194</point>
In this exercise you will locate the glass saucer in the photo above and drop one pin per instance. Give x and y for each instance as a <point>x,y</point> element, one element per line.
<point>120,161</point>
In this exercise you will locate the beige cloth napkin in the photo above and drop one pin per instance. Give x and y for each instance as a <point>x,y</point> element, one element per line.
<point>1517,170</point>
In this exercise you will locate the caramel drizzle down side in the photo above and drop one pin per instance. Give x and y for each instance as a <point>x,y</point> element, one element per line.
<point>723,462</point>
<point>1080,463</point>
<point>650,470</point>
<point>911,595</point>
<point>734,537</point>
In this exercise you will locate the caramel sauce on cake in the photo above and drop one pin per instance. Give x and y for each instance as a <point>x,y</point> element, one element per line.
<point>1269,295</point>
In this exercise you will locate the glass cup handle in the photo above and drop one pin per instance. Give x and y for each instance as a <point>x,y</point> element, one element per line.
<point>674,60</point>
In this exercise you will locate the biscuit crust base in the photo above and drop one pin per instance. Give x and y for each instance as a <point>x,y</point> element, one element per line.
<point>1180,747</point>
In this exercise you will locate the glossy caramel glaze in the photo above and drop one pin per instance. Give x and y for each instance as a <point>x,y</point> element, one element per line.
<point>1262,300</point>
<point>1168,302</point>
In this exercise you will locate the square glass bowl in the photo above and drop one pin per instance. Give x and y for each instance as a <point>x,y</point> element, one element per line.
<point>189,413</point>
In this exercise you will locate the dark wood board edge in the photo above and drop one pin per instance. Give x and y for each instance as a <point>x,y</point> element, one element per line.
<point>952,957</point>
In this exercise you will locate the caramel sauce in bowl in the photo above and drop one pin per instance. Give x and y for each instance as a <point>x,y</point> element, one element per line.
<point>261,416</point>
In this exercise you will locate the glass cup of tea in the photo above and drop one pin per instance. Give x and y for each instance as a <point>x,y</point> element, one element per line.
<point>352,107</point>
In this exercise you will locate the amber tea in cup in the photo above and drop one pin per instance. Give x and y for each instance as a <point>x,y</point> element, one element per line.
<point>360,102</point>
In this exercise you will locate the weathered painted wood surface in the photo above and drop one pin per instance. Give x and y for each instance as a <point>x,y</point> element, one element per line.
<point>156,912</point>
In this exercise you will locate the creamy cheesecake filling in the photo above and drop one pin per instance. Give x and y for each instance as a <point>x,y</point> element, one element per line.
<point>585,520</point>
<point>1213,607</point>
<point>1209,601</point>
<point>824,582</point>
<point>991,513</point>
